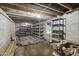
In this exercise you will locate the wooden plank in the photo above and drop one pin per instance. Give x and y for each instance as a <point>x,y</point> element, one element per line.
<point>10,49</point>
<point>2,49</point>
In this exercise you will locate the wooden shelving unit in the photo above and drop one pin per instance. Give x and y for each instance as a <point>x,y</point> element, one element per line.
<point>23,30</point>
<point>59,27</point>
<point>38,30</point>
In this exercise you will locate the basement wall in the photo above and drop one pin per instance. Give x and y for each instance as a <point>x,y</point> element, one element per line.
<point>72,27</point>
<point>7,28</point>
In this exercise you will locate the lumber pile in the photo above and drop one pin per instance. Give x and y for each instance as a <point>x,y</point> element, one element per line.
<point>8,49</point>
<point>3,48</point>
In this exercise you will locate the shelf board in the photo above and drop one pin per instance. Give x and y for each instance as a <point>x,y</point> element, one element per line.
<point>36,30</point>
<point>55,39</point>
<point>57,19</point>
<point>56,34</point>
<point>58,25</point>
<point>41,30</point>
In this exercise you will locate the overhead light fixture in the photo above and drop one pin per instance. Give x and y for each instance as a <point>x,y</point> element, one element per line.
<point>38,16</point>
<point>25,24</point>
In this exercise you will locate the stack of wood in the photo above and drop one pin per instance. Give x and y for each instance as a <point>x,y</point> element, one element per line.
<point>3,48</point>
<point>8,49</point>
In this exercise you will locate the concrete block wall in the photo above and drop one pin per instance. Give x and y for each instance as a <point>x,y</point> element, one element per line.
<point>72,27</point>
<point>7,28</point>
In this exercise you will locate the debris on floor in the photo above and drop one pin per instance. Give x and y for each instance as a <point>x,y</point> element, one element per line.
<point>32,46</point>
<point>28,40</point>
<point>67,49</point>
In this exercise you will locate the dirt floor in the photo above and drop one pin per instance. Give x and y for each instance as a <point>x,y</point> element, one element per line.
<point>39,49</point>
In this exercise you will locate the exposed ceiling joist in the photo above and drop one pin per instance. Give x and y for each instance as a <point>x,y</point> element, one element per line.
<point>40,11</point>
<point>18,14</point>
<point>19,19</point>
<point>71,10</point>
<point>47,6</point>
<point>50,8</point>
<point>65,6</point>
<point>29,16</point>
<point>26,9</point>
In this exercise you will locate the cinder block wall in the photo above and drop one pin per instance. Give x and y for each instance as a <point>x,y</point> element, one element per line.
<point>7,28</point>
<point>72,27</point>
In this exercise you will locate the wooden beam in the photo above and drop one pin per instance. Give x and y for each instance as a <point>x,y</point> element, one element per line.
<point>65,6</point>
<point>49,8</point>
<point>27,15</point>
<point>40,11</point>
<point>72,10</point>
<point>26,9</point>
<point>9,13</point>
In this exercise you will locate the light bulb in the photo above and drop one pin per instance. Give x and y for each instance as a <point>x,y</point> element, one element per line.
<point>38,16</point>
